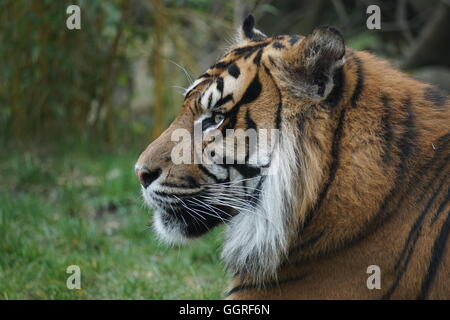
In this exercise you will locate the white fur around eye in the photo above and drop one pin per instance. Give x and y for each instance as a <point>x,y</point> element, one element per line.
<point>230,86</point>
<point>205,98</point>
<point>211,93</point>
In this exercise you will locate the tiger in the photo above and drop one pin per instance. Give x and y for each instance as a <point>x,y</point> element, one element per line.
<point>357,181</point>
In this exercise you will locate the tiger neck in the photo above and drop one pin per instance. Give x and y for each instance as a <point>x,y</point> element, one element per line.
<point>323,134</point>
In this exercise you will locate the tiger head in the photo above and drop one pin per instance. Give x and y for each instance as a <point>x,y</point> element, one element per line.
<point>262,84</point>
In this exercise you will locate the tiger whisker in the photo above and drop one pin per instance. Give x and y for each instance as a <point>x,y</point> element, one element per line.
<point>212,208</point>
<point>213,215</point>
<point>185,223</point>
<point>231,182</point>
<point>245,210</point>
<point>242,191</point>
<point>188,76</point>
<point>205,212</point>
<point>182,88</point>
<point>237,193</point>
<point>253,200</point>
<point>187,208</point>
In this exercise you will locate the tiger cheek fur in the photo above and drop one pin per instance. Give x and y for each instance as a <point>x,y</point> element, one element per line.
<point>359,175</point>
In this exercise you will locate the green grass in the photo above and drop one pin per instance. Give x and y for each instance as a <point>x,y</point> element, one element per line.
<point>82,206</point>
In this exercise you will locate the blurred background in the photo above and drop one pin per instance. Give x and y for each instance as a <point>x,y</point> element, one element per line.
<point>78,106</point>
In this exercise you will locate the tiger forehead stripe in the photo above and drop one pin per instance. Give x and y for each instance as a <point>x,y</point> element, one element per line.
<point>293,39</point>
<point>219,82</point>
<point>216,94</point>
<point>278,45</point>
<point>234,71</point>
<point>250,49</point>
<point>193,86</point>
<point>210,96</point>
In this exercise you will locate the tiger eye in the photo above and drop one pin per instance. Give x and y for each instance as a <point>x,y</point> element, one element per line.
<point>218,118</point>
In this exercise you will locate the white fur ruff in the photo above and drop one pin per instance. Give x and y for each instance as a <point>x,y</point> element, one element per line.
<point>256,243</point>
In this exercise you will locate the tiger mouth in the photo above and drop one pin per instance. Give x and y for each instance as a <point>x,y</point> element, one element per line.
<point>189,213</point>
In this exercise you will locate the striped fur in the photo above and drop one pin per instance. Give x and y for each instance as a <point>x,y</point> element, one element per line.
<point>359,177</point>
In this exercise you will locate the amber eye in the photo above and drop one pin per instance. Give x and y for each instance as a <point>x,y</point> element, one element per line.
<point>214,121</point>
<point>218,118</point>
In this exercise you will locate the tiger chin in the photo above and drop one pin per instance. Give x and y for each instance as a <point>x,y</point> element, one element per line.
<point>358,176</point>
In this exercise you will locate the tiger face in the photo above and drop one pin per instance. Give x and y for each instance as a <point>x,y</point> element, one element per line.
<point>250,188</point>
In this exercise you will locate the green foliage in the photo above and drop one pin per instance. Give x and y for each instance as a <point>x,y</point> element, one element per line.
<point>80,206</point>
<point>79,81</point>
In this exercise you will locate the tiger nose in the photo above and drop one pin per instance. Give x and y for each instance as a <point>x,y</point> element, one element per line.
<point>146,175</point>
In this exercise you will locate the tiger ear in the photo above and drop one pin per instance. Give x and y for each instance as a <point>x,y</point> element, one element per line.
<point>248,31</point>
<point>316,58</point>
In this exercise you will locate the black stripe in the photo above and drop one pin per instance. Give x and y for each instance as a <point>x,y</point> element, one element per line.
<point>258,56</point>
<point>249,49</point>
<point>359,80</point>
<point>249,121</point>
<point>210,99</point>
<point>191,181</point>
<point>221,65</point>
<point>293,39</point>
<point>219,82</point>
<point>310,242</point>
<point>280,99</point>
<point>441,208</point>
<point>189,185</point>
<point>257,191</point>
<point>400,272</point>
<point>234,71</point>
<point>441,145</point>
<point>174,195</point>
<point>205,75</point>
<point>252,93</point>
<point>410,243</point>
<point>437,173</point>
<point>435,95</point>
<point>414,233</point>
<point>264,286</point>
<point>192,90</point>
<point>278,45</point>
<point>335,148</point>
<point>224,100</point>
<point>272,61</point>
<point>247,139</point>
<point>419,222</point>
<point>247,171</point>
<point>436,258</point>
<point>209,174</point>
<point>191,111</point>
<point>336,93</point>
<point>406,146</point>
<point>388,134</point>
<point>301,124</point>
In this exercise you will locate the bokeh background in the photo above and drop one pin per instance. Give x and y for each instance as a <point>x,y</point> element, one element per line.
<point>78,106</point>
